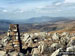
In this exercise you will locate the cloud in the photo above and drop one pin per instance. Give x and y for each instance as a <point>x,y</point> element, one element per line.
<point>18,9</point>
<point>4,10</point>
<point>59,3</point>
<point>69,1</point>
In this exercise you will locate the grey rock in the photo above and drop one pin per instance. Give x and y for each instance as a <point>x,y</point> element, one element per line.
<point>35,52</point>
<point>71,42</point>
<point>42,47</point>
<point>64,34</point>
<point>25,37</point>
<point>5,40</point>
<point>56,52</point>
<point>55,36</point>
<point>72,48</point>
<point>55,45</point>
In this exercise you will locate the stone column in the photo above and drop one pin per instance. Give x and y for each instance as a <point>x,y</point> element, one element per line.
<point>14,34</point>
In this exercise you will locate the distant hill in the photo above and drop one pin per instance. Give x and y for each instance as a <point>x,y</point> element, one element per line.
<point>43,23</point>
<point>45,19</point>
<point>67,25</point>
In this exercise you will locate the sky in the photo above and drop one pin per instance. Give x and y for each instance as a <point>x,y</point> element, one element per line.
<point>24,9</point>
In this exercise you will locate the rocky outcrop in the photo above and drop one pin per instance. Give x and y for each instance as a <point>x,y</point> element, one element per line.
<point>41,45</point>
<point>36,44</point>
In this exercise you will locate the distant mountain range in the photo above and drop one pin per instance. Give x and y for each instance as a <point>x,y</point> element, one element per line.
<point>37,23</point>
<point>45,19</point>
<point>36,20</point>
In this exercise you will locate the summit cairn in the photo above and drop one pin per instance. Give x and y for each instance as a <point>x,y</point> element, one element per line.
<point>14,42</point>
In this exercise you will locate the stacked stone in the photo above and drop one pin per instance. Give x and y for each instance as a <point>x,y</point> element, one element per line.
<point>14,35</point>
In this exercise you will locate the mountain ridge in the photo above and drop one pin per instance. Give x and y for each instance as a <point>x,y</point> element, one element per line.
<point>45,19</point>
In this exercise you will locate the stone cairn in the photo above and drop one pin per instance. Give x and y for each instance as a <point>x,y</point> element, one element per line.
<point>15,42</point>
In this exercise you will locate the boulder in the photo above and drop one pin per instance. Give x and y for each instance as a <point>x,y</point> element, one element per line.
<point>55,36</point>
<point>65,34</point>
<point>41,35</point>
<point>64,40</point>
<point>56,52</point>
<point>5,40</point>
<point>27,39</point>
<point>26,36</point>
<point>71,42</point>
<point>35,52</point>
<point>55,46</point>
<point>72,48</point>
<point>42,46</point>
